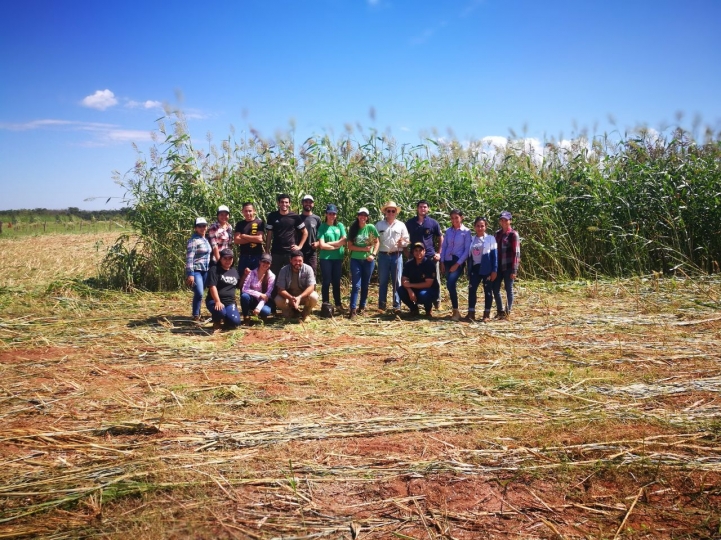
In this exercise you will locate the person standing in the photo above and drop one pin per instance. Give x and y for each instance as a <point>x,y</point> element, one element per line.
<point>393,236</point>
<point>248,237</point>
<point>223,280</point>
<point>427,231</point>
<point>482,269</point>
<point>296,288</point>
<point>509,259</point>
<point>363,246</point>
<point>257,289</point>
<point>220,234</point>
<point>312,223</point>
<point>420,287</point>
<point>285,232</point>
<point>332,240</point>
<point>456,247</point>
<point>197,262</point>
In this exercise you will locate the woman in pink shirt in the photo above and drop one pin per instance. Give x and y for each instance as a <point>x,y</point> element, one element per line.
<point>257,289</point>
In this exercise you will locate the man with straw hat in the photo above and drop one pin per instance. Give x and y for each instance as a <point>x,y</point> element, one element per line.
<point>393,238</point>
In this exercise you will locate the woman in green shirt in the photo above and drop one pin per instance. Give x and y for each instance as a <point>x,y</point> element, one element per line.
<point>332,238</point>
<point>363,244</point>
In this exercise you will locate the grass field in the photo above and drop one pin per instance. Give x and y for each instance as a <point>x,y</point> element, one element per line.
<point>594,413</point>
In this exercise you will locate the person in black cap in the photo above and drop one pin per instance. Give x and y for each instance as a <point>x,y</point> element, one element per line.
<point>332,240</point>
<point>223,280</point>
<point>419,286</point>
<point>312,223</point>
<point>257,289</point>
<point>509,259</point>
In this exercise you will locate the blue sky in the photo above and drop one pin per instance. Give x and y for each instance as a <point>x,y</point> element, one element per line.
<point>80,81</point>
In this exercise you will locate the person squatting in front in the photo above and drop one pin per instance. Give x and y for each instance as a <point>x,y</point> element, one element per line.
<point>295,288</point>
<point>257,289</point>
<point>509,259</point>
<point>393,236</point>
<point>223,280</point>
<point>482,269</point>
<point>419,286</point>
<point>197,261</point>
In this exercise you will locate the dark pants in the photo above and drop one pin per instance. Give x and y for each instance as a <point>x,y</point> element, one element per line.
<point>229,313</point>
<point>331,271</point>
<point>452,279</point>
<point>279,261</point>
<point>311,259</point>
<point>474,281</point>
<point>424,297</point>
<point>505,276</point>
<point>247,261</point>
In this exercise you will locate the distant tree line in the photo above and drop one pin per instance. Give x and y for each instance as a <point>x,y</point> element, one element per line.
<point>73,213</point>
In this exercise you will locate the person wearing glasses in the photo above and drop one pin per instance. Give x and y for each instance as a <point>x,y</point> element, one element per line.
<point>197,260</point>
<point>393,236</point>
<point>223,280</point>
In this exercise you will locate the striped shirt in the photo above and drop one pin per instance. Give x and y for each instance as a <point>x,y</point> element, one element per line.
<point>197,255</point>
<point>254,286</point>
<point>509,250</point>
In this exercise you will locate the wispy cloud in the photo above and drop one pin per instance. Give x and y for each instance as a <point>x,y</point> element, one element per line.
<point>148,104</point>
<point>101,134</point>
<point>101,100</point>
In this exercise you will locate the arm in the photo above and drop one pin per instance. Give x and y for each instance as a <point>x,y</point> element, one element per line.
<point>466,248</point>
<point>303,238</point>
<point>516,247</point>
<point>268,240</point>
<point>213,290</point>
<point>437,256</point>
<point>189,260</point>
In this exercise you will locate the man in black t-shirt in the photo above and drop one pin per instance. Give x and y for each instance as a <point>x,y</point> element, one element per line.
<point>418,281</point>
<point>312,224</point>
<point>223,280</point>
<point>285,232</point>
<point>249,237</point>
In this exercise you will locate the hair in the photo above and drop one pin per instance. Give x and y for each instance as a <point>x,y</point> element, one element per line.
<point>282,196</point>
<point>353,231</point>
<point>248,203</point>
<point>422,201</point>
<point>296,253</point>
<point>335,219</point>
<point>456,211</point>
<point>478,219</point>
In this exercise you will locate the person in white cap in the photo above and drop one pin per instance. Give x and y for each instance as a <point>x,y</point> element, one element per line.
<point>312,224</point>
<point>220,234</point>
<point>363,246</point>
<point>197,261</point>
<point>393,238</point>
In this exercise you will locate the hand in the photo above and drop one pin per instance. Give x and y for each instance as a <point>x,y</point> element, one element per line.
<point>256,311</point>
<point>295,301</point>
<point>189,281</point>
<point>454,267</point>
<point>264,297</point>
<point>294,247</point>
<point>315,245</point>
<point>492,277</point>
<point>513,276</point>
<point>370,258</point>
<point>412,296</point>
<point>436,257</point>
<point>219,306</point>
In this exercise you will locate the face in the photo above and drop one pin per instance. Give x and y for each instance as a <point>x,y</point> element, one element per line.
<point>264,265</point>
<point>362,219</point>
<point>456,220</point>
<point>419,253</point>
<point>226,262</point>
<point>249,212</point>
<point>391,213</point>
<point>284,205</point>
<point>422,209</point>
<point>480,228</point>
<point>504,223</point>
<point>330,217</point>
<point>296,263</point>
<point>200,229</point>
<point>308,205</point>
<point>223,217</point>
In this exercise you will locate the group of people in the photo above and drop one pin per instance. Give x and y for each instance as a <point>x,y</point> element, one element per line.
<point>278,261</point>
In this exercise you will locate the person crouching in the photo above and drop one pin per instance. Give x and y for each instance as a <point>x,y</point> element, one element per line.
<point>223,280</point>
<point>296,288</point>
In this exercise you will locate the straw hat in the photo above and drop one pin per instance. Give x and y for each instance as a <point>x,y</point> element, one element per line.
<point>391,204</point>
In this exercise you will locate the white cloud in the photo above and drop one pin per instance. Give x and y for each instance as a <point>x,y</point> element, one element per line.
<point>128,135</point>
<point>149,104</point>
<point>53,123</point>
<point>101,134</point>
<point>101,100</point>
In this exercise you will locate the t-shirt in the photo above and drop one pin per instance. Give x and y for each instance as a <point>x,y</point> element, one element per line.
<point>424,233</point>
<point>312,222</point>
<point>366,237</point>
<point>331,233</point>
<point>285,230</point>
<point>226,281</point>
<point>255,227</point>
<point>418,273</point>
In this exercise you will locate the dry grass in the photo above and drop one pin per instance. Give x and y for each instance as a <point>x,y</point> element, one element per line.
<point>593,414</point>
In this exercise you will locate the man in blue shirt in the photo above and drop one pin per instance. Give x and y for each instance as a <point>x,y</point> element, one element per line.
<point>427,231</point>
<point>419,286</point>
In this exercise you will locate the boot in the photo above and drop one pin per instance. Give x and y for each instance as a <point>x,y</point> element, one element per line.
<point>353,314</point>
<point>471,316</point>
<point>217,326</point>
<point>501,314</point>
<point>456,315</point>
<point>486,316</point>
<point>508,314</point>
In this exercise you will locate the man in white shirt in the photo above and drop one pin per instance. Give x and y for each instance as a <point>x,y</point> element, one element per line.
<point>393,238</point>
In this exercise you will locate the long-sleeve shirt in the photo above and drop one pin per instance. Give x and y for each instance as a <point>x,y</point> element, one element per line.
<point>197,255</point>
<point>254,286</point>
<point>509,250</point>
<point>484,255</point>
<point>456,242</point>
<point>390,234</point>
<point>220,236</point>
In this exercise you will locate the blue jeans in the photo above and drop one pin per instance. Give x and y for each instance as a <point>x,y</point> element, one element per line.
<point>360,275</point>
<point>390,268</point>
<point>229,313</point>
<point>198,286</point>
<point>331,272</point>
<point>505,276</point>
<point>451,279</point>
<point>474,281</point>
<point>248,304</point>
<point>424,297</point>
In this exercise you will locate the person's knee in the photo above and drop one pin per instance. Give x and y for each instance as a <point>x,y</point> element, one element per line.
<point>280,302</point>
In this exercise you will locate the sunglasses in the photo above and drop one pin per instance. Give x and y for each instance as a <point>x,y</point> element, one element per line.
<point>389,211</point>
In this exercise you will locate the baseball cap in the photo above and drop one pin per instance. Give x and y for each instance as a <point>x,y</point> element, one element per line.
<point>200,221</point>
<point>363,210</point>
<point>223,208</point>
<point>506,215</point>
<point>331,209</point>
<point>227,252</point>
<point>308,198</point>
